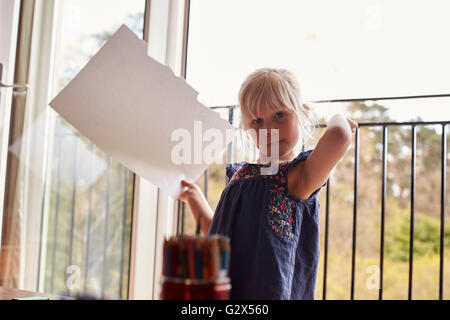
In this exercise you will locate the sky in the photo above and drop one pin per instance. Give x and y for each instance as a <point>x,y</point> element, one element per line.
<point>337,49</point>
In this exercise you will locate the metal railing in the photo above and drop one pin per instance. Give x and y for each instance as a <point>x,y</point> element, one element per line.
<point>384,126</point>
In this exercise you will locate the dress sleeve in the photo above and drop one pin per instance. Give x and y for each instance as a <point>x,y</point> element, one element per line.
<point>300,157</point>
<point>231,169</point>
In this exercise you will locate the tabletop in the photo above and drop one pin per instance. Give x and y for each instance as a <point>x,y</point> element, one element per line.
<point>9,293</point>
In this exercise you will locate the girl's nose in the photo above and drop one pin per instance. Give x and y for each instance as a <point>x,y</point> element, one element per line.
<point>270,125</point>
<point>275,129</point>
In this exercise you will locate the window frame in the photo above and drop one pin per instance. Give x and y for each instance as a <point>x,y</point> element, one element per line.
<point>165,30</point>
<point>9,28</point>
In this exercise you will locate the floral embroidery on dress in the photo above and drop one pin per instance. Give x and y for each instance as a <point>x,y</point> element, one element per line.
<point>281,211</point>
<point>247,171</point>
<point>281,208</point>
<point>250,170</point>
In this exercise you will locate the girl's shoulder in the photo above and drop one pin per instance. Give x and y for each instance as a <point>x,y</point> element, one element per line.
<point>303,155</point>
<point>231,168</point>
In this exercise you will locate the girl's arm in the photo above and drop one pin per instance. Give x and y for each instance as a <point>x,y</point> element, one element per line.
<point>313,172</point>
<point>198,205</point>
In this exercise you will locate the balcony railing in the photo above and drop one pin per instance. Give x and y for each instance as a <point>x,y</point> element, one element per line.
<point>384,126</point>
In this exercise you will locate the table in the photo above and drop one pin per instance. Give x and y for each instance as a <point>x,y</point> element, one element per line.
<point>9,293</point>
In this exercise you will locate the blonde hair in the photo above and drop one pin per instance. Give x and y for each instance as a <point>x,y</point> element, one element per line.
<point>274,88</point>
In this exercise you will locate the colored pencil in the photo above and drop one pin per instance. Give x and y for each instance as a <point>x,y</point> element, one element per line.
<point>196,257</point>
<point>191,257</point>
<point>206,259</point>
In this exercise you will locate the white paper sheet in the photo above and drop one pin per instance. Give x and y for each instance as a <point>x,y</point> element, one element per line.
<point>86,175</point>
<point>129,104</point>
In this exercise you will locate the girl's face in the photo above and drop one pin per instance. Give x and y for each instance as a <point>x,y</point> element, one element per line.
<point>283,119</point>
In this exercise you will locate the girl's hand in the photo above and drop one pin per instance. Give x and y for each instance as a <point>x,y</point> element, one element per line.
<point>192,193</point>
<point>198,204</point>
<point>353,124</point>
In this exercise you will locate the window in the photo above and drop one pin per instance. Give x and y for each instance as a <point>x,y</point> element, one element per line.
<point>352,49</point>
<point>68,207</point>
<point>346,50</point>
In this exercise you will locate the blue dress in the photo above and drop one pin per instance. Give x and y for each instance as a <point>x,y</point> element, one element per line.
<point>274,236</point>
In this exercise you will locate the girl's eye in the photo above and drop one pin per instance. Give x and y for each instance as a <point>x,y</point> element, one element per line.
<point>279,115</point>
<point>257,121</point>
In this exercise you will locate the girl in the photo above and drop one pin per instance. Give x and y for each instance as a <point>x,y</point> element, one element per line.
<point>273,219</point>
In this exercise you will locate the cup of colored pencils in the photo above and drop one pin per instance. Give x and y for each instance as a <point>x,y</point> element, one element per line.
<point>196,267</point>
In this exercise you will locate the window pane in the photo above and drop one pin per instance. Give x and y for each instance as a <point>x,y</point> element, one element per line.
<point>68,205</point>
<point>355,49</point>
<point>91,194</point>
